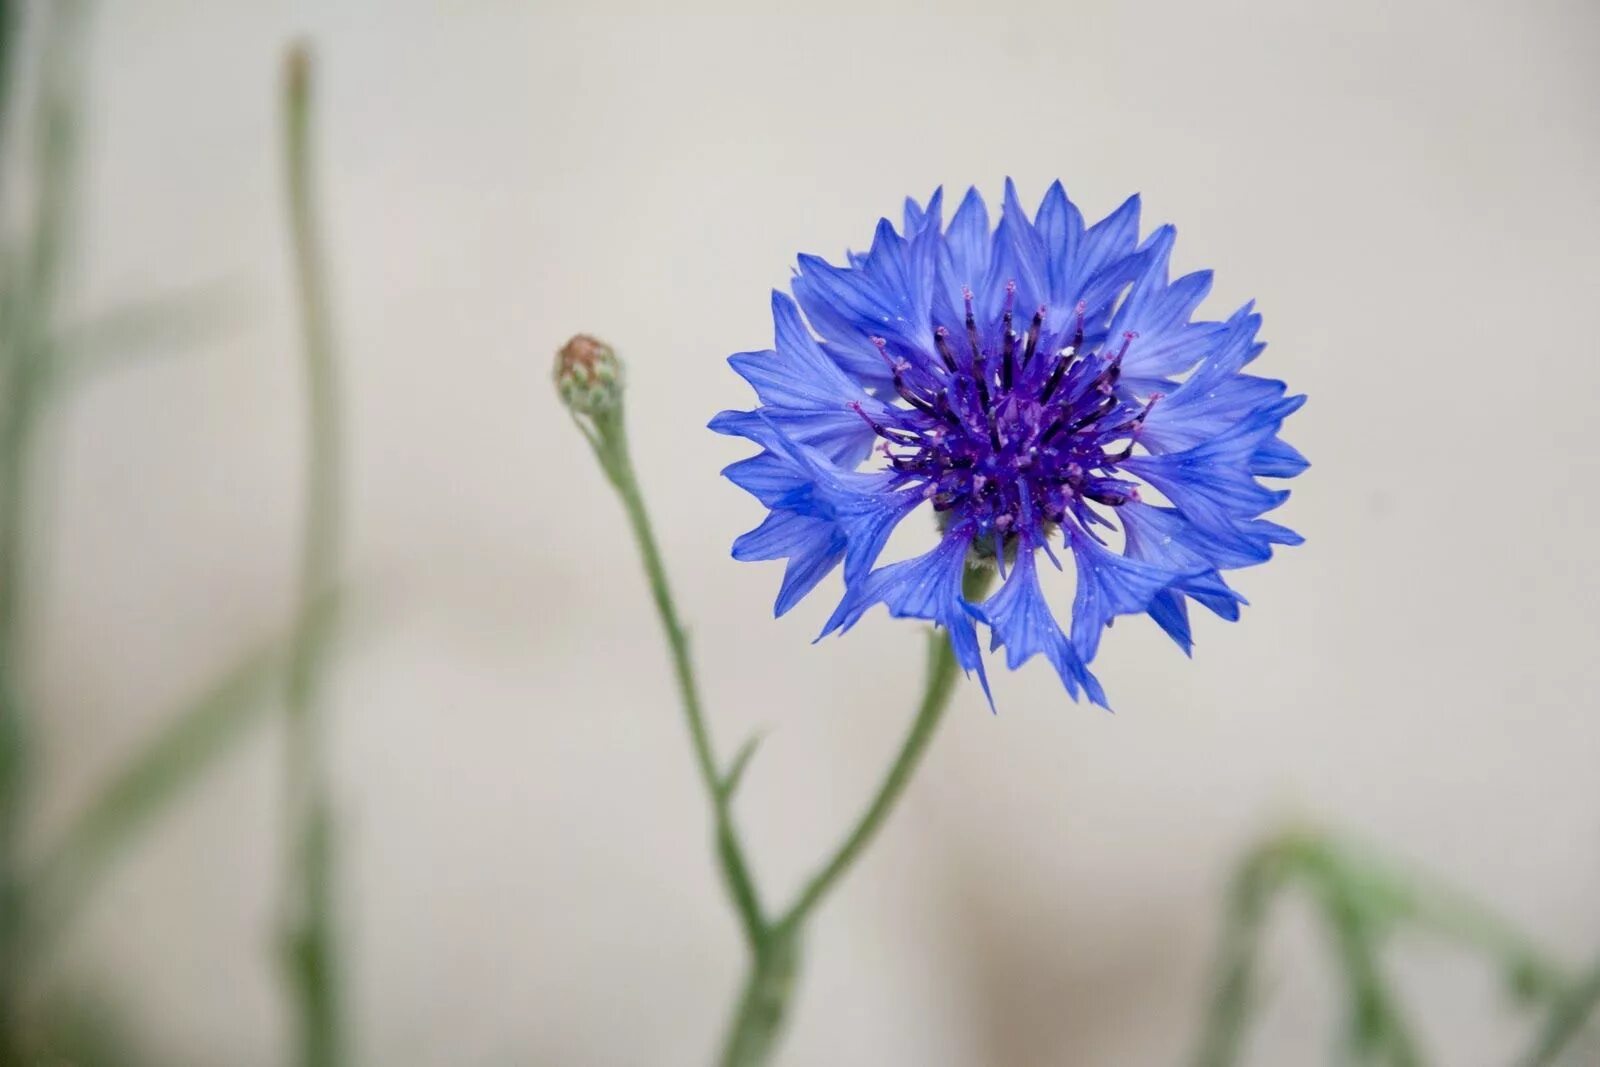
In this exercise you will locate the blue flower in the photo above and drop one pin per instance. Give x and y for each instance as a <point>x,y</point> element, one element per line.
<point>1044,389</point>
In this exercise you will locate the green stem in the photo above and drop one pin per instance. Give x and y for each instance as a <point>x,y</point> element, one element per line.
<point>762,1010</point>
<point>15,432</point>
<point>763,1006</point>
<point>1376,1032</point>
<point>760,1013</point>
<point>310,943</point>
<point>1435,907</point>
<point>938,684</point>
<point>610,441</point>
<point>1360,897</point>
<point>29,287</point>
<point>1234,982</point>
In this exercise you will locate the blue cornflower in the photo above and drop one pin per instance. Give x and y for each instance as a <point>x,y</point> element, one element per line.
<point>1038,386</point>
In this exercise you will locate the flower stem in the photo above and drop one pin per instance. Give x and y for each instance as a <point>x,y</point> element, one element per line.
<point>309,941</point>
<point>610,441</point>
<point>774,945</point>
<point>763,1007</point>
<point>759,1018</point>
<point>938,684</point>
<point>1234,987</point>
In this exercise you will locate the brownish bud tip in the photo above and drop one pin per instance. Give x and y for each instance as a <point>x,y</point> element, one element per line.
<point>588,376</point>
<point>297,69</point>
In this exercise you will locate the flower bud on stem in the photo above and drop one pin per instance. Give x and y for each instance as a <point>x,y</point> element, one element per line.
<point>589,380</point>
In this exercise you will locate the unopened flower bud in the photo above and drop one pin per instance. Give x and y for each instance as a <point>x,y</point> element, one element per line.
<point>588,376</point>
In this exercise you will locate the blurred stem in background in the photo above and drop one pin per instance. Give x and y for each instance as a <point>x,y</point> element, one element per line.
<point>30,269</point>
<point>589,379</point>
<point>1362,899</point>
<point>41,359</point>
<point>1565,1026</point>
<point>310,943</point>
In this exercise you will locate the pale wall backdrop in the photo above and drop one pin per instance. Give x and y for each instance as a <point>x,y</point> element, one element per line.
<point>1407,188</point>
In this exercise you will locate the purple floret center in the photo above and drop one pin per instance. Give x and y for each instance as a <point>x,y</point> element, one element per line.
<point>1009,436</point>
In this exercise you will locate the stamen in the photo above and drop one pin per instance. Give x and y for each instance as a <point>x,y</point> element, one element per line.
<point>1088,418</point>
<point>941,410</point>
<point>1112,458</point>
<point>883,350</point>
<point>1127,339</point>
<point>1008,338</point>
<point>1112,494</point>
<point>1109,377</point>
<point>888,433</point>
<point>1034,329</point>
<point>1113,373</point>
<point>972,326</point>
<point>980,378</point>
<point>941,341</point>
<point>912,398</point>
<point>1137,421</point>
<point>988,416</point>
<point>1063,361</point>
<point>1000,446</point>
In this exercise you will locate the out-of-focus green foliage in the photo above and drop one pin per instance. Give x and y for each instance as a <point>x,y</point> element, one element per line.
<point>195,736</point>
<point>42,357</point>
<point>1363,899</point>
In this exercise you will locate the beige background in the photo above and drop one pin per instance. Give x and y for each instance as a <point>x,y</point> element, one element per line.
<point>1409,190</point>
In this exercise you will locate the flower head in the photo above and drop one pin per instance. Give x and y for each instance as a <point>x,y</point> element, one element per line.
<point>1042,389</point>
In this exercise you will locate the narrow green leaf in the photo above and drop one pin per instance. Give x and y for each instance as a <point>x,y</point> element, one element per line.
<point>171,324</point>
<point>195,737</point>
<point>741,759</point>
